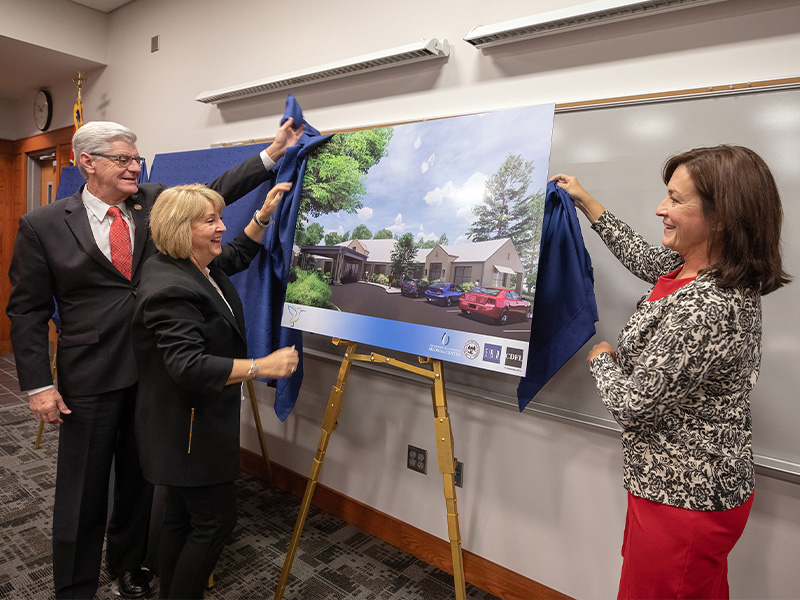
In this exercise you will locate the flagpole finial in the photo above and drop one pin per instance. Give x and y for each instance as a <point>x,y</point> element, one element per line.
<point>79,79</point>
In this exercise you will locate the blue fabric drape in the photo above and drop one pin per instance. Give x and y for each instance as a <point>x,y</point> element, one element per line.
<point>69,182</point>
<point>265,289</point>
<point>143,178</point>
<point>564,308</point>
<point>262,287</point>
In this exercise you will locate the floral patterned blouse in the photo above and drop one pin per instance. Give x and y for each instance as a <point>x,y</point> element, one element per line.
<point>681,387</point>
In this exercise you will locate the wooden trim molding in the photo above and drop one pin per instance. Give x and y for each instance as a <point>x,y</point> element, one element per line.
<point>685,94</point>
<point>481,573</point>
<point>50,139</point>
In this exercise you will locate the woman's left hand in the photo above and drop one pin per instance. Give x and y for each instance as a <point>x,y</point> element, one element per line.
<point>271,201</point>
<point>599,349</point>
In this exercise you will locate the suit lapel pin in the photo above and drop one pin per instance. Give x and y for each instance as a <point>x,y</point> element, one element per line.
<point>137,207</point>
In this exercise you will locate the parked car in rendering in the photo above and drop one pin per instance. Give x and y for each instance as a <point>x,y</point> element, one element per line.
<point>500,304</point>
<point>442,292</point>
<point>413,287</point>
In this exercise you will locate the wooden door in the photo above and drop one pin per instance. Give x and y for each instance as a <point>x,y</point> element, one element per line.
<point>13,193</point>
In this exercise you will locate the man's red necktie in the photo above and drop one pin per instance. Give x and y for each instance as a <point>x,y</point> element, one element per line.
<point>120,239</point>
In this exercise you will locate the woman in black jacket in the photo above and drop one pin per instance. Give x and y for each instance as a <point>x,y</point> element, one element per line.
<point>189,340</point>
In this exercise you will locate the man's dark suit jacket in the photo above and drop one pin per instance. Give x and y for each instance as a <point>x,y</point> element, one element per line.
<point>55,256</point>
<point>185,339</point>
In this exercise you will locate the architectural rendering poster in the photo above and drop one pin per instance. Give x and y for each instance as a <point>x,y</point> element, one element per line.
<point>424,237</point>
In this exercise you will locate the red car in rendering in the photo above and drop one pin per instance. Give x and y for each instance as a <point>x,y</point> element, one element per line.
<point>499,304</point>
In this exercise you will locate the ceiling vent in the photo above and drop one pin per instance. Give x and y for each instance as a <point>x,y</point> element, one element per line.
<point>402,55</point>
<point>591,14</point>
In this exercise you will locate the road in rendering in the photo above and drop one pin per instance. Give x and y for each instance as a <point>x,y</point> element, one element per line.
<point>373,300</point>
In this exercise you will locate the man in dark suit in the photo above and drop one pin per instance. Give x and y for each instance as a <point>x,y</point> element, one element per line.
<point>68,252</point>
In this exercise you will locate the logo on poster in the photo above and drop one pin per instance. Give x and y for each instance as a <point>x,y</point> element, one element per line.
<point>472,349</point>
<point>294,314</point>
<point>492,353</point>
<point>443,347</point>
<point>514,357</point>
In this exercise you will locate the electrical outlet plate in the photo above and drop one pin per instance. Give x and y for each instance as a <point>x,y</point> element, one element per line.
<point>417,459</point>
<point>458,476</point>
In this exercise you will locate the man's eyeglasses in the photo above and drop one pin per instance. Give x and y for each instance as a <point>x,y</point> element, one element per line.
<point>123,160</point>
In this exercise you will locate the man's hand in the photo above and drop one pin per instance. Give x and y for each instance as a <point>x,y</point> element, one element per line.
<point>48,405</point>
<point>286,137</point>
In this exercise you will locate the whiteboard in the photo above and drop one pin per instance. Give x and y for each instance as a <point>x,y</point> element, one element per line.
<point>617,154</point>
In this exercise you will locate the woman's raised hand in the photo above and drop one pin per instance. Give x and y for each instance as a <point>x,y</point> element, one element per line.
<point>582,199</point>
<point>271,201</point>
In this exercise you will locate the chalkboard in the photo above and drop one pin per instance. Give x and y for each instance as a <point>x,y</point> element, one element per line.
<point>617,153</point>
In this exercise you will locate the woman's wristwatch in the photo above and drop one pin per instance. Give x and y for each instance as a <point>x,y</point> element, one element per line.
<point>261,223</point>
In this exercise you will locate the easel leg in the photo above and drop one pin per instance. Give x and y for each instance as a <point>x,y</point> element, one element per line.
<point>328,425</point>
<point>38,441</point>
<point>261,441</point>
<point>447,467</point>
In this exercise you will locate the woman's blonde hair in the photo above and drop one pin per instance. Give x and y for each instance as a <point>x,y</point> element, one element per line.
<point>172,215</point>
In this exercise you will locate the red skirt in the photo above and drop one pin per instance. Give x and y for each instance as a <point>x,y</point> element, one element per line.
<point>671,552</point>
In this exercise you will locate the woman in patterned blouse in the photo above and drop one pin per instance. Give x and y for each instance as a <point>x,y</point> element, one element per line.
<point>680,378</point>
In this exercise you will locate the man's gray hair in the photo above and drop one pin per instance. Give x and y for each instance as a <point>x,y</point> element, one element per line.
<point>96,137</point>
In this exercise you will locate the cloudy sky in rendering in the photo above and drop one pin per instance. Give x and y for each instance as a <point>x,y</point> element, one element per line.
<point>436,171</point>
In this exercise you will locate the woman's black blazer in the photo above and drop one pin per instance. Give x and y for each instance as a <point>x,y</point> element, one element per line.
<point>185,339</point>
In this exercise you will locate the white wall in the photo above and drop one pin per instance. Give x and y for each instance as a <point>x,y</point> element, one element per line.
<point>541,497</point>
<point>8,123</point>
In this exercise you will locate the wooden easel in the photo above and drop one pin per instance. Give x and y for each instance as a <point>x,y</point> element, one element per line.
<point>444,450</point>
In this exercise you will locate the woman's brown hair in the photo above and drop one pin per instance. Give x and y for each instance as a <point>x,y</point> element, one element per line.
<point>742,207</point>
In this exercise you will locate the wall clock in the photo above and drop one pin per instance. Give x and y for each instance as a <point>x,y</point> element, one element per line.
<point>43,109</point>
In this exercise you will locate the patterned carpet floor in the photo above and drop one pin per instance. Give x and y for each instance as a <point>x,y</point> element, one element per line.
<point>334,560</point>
